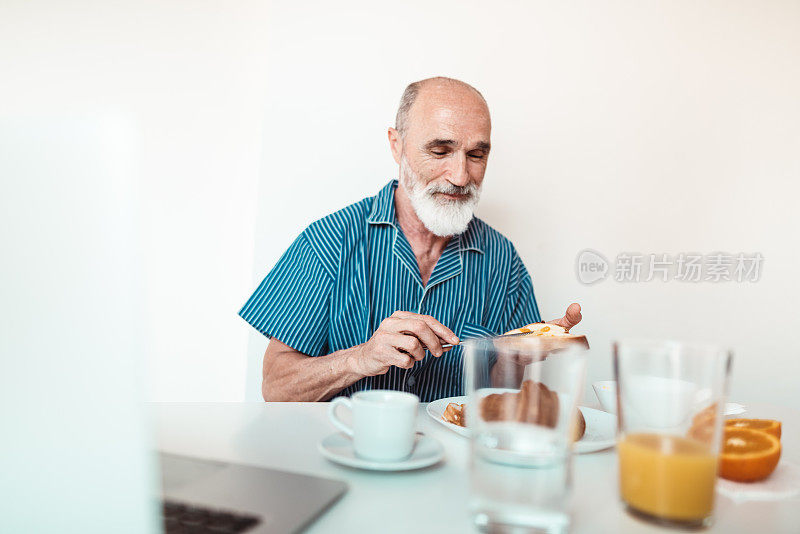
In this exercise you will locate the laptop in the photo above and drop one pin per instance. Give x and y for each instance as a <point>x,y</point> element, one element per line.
<point>219,497</point>
<point>75,452</point>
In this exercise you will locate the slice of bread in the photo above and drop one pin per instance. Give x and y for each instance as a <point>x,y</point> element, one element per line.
<point>551,336</point>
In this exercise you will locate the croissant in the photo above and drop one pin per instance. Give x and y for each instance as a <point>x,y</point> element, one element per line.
<point>535,403</point>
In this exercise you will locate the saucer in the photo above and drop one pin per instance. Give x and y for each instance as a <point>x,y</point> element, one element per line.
<point>339,448</point>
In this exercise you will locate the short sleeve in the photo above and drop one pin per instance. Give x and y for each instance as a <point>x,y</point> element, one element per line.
<point>520,307</point>
<point>292,302</point>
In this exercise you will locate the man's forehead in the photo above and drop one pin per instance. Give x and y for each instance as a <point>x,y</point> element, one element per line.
<point>461,116</point>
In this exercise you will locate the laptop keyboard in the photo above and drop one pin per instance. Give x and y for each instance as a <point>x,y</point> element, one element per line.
<point>190,519</point>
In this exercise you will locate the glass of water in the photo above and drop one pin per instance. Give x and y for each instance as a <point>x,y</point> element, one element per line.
<point>521,412</point>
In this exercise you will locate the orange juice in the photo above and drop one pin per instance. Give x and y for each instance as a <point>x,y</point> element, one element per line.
<point>668,477</point>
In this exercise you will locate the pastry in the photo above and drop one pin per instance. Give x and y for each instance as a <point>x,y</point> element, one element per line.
<point>454,413</point>
<point>535,403</point>
<point>580,427</point>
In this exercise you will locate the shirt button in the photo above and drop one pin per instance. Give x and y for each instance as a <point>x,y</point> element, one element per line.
<point>411,381</point>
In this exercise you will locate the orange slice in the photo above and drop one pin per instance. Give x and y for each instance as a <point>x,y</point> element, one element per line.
<point>748,455</point>
<point>769,426</point>
<point>703,424</point>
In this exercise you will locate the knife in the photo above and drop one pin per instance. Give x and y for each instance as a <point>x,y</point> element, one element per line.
<point>517,334</point>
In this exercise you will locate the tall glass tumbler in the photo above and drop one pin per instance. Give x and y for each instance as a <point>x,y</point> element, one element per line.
<point>521,412</point>
<point>670,399</point>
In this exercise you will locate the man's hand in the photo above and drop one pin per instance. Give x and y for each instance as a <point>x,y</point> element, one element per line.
<point>401,340</point>
<point>571,318</point>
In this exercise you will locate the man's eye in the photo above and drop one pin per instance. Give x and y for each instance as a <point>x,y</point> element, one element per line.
<point>438,152</point>
<point>476,156</point>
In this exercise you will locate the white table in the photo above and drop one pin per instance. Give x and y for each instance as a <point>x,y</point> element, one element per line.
<point>285,436</point>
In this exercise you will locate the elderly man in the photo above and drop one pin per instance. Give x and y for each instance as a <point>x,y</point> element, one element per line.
<point>366,297</point>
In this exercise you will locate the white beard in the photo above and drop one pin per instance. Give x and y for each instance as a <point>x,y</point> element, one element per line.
<point>443,217</point>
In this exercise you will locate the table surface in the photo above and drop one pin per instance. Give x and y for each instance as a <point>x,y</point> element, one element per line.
<point>285,436</point>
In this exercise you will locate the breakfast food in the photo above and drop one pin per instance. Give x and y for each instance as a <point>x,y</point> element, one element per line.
<point>769,426</point>
<point>552,336</point>
<point>540,329</point>
<point>454,413</point>
<point>702,428</point>
<point>751,448</point>
<point>534,403</point>
<point>748,455</point>
<point>669,477</point>
<point>580,426</point>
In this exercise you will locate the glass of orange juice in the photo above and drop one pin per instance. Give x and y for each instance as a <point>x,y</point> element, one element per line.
<point>670,400</point>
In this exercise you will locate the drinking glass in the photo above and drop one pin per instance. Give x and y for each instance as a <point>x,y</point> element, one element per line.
<point>670,401</point>
<point>521,414</point>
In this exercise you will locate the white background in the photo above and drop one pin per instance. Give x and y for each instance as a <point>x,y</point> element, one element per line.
<point>619,126</point>
<point>192,76</point>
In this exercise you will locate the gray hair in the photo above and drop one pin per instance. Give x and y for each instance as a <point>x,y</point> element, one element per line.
<point>410,96</point>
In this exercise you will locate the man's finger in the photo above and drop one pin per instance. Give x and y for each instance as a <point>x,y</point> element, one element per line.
<point>438,328</point>
<point>420,329</point>
<point>405,361</point>
<point>409,345</point>
<point>413,325</point>
<point>441,331</point>
<point>573,315</point>
<point>571,318</point>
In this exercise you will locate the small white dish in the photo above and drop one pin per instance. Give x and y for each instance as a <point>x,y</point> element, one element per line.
<point>339,448</point>
<point>601,427</point>
<point>601,431</point>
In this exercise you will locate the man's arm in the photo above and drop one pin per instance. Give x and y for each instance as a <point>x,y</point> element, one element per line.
<point>289,375</point>
<point>400,340</point>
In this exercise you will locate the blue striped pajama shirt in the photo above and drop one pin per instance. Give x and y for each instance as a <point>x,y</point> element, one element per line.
<point>349,271</point>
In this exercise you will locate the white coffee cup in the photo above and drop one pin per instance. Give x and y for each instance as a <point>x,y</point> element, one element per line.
<point>657,402</point>
<point>384,423</point>
<point>606,391</point>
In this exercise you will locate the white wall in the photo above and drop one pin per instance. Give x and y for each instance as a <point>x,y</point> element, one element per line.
<point>662,127</point>
<point>192,76</point>
<point>620,126</point>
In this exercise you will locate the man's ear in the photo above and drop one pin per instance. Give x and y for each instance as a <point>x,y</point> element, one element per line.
<point>396,144</point>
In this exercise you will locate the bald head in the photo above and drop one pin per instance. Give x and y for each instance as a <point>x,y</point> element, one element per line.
<point>438,91</point>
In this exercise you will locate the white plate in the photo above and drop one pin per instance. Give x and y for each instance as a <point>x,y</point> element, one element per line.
<point>601,427</point>
<point>339,448</point>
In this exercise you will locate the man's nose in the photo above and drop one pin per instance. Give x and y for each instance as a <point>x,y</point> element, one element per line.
<point>458,171</point>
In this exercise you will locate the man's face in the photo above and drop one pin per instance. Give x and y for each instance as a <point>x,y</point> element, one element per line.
<point>443,156</point>
<point>447,140</point>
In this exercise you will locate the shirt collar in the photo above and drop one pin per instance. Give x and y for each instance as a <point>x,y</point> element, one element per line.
<point>472,238</point>
<point>383,212</point>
